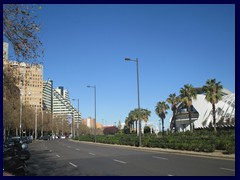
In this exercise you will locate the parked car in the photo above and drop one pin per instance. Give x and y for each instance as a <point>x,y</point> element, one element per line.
<point>46,137</point>
<point>30,138</point>
<point>63,137</point>
<point>25,139</point>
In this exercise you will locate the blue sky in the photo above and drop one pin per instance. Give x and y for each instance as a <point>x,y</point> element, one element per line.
<point>175,44</point>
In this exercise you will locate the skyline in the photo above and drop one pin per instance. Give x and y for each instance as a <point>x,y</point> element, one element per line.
<point>175,45</point>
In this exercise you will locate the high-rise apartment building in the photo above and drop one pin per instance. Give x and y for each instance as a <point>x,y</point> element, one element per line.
<point>30,79</point>
<point>48,95</point>
<point>58,102</point>
<point>39,94</point>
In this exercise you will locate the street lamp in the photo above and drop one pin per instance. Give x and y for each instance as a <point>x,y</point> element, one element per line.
<point>78,114</point>
<point>95,111</point>
<point>136,60</point>
<point>21,104</point>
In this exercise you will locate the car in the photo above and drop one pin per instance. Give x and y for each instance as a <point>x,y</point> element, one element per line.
<point>25,139</point>
<point>63,137</point>
<point>30,139</point>
<point>46,137</point>
<point>13,140</point>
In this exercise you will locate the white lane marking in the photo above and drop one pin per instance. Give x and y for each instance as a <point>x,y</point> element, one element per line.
<point>57,155</point>
<point>77,149</point>
<point>69,146</point>
<point>92,154</point>
<point>160,158</point>
<point>170,175</point>
<point>227,169</point>
<point>73,164</point>
<point>119,161</point>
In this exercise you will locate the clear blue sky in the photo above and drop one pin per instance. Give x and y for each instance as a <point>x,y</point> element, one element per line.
<point>175,45</point>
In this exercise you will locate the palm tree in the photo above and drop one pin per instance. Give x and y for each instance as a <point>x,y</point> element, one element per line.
<point>187,94</point>
<point>174,100</point>
<point>129,123</point>
<point>213,95</point>
<point>144,114</point>
<point>161,112</point>
<point>135,115</point>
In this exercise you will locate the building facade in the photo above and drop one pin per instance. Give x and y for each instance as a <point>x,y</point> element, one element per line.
<point>30,82</point>
<point>29,79</point>
<point>58,102</point>
<point>90,122</point>
<point>201,112</point>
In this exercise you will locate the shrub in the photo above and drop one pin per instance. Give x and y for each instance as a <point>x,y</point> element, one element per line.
<point>229,147</point>
<point>110,130</point>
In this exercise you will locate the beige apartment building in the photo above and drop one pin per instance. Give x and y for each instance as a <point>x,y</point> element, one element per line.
<point>30,79</point>
<point>90,122</point>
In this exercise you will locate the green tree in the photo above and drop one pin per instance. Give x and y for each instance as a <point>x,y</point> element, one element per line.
<point>21,30</point>
<point>173,100</point>
<point>212,90</point>
<point>129,124</point>
<point>136,115</point>
<point>147,129</point>
<point>187,93</point>
<point>161,111</point>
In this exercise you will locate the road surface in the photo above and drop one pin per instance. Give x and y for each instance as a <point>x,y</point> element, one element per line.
<point>74,158</point>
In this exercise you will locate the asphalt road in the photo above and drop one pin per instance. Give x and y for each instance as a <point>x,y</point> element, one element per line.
<point>73,158</point>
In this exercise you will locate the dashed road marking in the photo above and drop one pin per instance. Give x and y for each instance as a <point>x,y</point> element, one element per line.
<point>57,155</point>
<point>92,154</point>
<point>227,169</point>
<point>170,175</point>
<point>77,149</point>
<point>157,157</point>
<point>119,161</point>
<point>74,165</point>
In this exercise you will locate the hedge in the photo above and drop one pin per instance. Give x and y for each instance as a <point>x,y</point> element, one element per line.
<point>200,141</point>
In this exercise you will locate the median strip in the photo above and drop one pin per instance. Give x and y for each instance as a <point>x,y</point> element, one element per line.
<point>119,161</point>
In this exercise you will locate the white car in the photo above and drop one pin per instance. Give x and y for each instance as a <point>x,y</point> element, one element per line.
<point>63,137</point>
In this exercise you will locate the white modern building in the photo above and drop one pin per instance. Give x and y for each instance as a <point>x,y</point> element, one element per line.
<point>58,102</point>
<point>202,112</point>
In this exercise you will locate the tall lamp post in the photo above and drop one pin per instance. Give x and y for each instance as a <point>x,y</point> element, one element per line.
<point>94,110</point>
<point>78,112</point>
<point>21,103</point>
<point>136,60</point>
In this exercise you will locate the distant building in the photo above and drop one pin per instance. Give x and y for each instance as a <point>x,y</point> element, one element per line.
<point>90,122</point>
<point>48,95</point>
<point>58,102</point>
